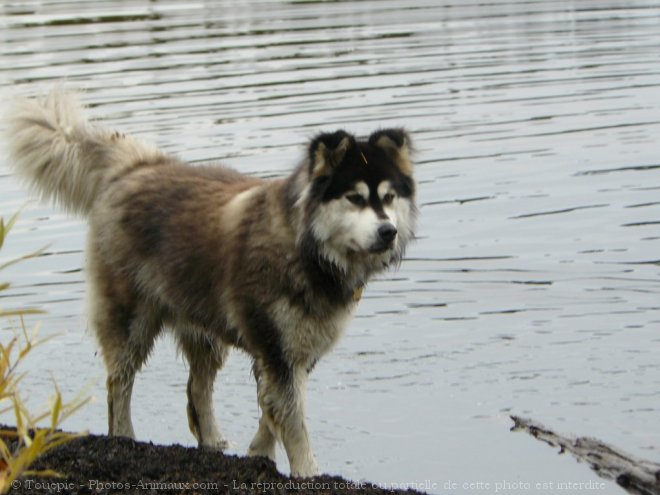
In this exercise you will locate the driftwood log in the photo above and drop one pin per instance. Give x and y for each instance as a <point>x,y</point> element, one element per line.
<point>634,475</point>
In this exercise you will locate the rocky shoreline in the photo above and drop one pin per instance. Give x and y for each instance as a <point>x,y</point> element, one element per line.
<point>103,465</point>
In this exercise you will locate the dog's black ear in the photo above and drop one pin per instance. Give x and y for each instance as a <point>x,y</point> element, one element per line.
<point>327,150</point>
<point>397,144</point>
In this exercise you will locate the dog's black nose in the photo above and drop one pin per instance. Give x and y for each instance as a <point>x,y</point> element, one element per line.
<point>387,232</point>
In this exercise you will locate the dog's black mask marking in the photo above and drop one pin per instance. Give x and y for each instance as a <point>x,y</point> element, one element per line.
<point>365,161</point>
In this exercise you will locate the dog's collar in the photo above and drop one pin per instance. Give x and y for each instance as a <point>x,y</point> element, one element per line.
<point>357,293</point>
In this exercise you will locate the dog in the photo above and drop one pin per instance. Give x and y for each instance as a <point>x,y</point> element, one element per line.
<point>273,267</point>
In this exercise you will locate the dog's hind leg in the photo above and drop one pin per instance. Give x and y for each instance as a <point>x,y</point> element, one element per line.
<point>126,334</point>
<point>205,357</point>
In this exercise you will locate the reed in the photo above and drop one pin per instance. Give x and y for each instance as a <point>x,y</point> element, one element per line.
<point>20,447</point>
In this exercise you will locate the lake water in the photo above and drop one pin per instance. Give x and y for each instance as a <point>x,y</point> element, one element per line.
<point>533,288</point>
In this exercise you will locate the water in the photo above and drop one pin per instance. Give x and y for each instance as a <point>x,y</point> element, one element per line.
<point>533,287</point>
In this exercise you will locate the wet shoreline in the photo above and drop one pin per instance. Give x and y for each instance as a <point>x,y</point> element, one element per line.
<point>103,465</point>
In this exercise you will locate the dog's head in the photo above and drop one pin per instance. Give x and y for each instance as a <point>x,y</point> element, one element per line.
<point>362,192</point>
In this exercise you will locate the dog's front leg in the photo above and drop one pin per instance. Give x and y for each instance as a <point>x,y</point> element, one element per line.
<point>282,400</point>
<point>294,429</point>
<point>263,443</point>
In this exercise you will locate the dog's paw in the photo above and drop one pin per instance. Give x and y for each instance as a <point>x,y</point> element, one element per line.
<point>264,451</point>
<point>218,445</point>
<point>305,470</point>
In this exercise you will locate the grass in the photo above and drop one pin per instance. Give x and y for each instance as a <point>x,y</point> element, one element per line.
<point>19,448</point>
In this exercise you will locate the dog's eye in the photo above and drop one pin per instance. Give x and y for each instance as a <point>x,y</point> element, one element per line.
<point>388,198</point>
<point>356,199</point>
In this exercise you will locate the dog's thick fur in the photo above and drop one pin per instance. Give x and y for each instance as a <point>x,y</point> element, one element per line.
<point>270,266</point>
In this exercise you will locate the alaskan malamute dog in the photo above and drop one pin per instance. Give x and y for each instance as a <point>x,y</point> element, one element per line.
<point>274,267</point>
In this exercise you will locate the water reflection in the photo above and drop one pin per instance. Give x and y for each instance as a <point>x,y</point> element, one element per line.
<point>533,286</point>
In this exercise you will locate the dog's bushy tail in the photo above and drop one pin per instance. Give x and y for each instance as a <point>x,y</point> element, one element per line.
<point>65,157</point>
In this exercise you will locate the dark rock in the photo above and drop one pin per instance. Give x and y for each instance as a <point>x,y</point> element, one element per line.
<point>104,465</point>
